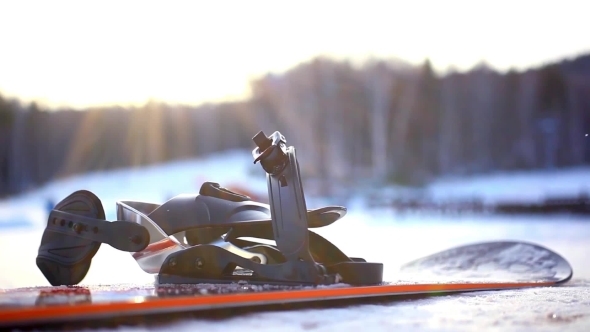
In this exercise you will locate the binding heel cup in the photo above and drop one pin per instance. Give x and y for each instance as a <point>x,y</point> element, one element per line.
<point>65,259</point>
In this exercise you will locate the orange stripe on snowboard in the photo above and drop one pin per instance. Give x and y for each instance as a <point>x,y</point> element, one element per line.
<point>188,303</point>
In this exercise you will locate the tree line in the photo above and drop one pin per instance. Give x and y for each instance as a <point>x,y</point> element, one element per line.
<point>380,121</point>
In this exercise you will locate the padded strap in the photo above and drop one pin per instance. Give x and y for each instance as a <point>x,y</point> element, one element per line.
<point>122,235</point>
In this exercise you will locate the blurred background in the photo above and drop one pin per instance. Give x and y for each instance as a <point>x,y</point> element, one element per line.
<point>449,116</point>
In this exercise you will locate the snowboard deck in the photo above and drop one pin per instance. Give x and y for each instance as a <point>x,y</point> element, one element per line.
<point>475,267</point>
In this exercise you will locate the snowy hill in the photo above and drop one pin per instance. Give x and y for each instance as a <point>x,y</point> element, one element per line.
<point>155,183</point>
<point>234,169</point>
<point>515,186</point>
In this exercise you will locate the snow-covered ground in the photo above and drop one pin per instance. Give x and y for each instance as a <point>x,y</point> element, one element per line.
<point>515,186</point>
<point>377,235</point>
<point>155,183</point>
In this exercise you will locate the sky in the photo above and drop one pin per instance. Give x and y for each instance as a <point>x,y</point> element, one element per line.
<point>98,53</point>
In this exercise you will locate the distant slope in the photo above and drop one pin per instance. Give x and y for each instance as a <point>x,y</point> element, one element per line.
<point>515,186</point>
<point>235,170</point>
<point>155,183</point>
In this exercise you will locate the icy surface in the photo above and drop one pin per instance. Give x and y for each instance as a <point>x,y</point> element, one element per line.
<point>549,309</point>
<point>377,235</point>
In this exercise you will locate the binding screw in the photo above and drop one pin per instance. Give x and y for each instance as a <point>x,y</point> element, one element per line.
<point>255,259</point>
<point>172,262</point>
<point>77,228</point>
<point>199,263</point>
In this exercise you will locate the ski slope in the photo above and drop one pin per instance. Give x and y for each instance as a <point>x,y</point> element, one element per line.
<point>378,235</point>
<point>515,186</point>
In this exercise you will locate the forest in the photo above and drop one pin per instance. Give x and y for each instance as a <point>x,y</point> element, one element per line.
<point>381,121</point>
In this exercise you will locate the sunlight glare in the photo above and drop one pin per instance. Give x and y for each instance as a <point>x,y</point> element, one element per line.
<point>111,52</point>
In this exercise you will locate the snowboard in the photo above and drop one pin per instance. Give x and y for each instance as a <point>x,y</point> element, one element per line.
<point>483,266</point>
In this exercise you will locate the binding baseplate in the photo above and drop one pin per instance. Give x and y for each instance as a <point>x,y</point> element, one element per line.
<point>220,236</point>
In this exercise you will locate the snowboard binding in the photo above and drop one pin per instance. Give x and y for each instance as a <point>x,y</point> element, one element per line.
<point>217,236</point>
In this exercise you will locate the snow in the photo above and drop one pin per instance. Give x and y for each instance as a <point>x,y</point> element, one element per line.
<point>516,186</point>
<point>378,235</point>
<point>155,183</point>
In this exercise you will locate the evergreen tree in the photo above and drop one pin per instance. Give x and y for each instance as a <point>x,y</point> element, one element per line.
<point>6,118</point>
<point>551,114</point>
